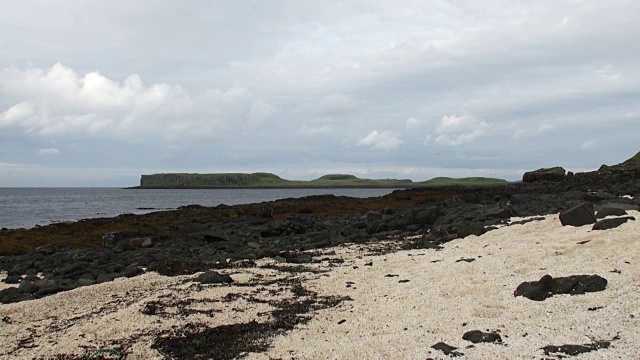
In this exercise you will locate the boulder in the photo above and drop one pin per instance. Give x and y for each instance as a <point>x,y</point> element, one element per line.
<point>471,229</point>
<point>548,174</point>
<point>547,286</point>
<point>216,235</point>
<point>141,242</point>
<point>610,211</point>
<point>46,249</point>
<point>579,215</point>
<point>611,223</point>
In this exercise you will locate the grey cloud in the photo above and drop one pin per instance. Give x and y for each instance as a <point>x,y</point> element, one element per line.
<point>295,85</point>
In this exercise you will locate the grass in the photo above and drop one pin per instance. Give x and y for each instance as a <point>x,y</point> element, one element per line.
<point>634,160</point>
<point>268,180</point>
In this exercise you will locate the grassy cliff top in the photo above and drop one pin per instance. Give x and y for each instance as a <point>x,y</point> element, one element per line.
<point>634,159</point>
<point>268,180</point>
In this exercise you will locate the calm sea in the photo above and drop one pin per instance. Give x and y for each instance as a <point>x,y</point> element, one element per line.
<point>27,207</point>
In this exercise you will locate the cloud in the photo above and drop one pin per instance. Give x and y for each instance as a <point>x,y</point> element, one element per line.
<point>455,130</point>
<point>413,124</point>
<point>525,133</point>
<point>307,130</point>
<point>50,151</point>
<point>588,144</point>
<point>385,140</point>
<point>59,102</point>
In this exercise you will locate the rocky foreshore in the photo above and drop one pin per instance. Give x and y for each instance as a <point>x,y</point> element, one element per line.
<point>64,256</point>
<point>60,257</point>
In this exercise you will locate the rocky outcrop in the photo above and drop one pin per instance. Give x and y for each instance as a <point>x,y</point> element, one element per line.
<point>548,174</point>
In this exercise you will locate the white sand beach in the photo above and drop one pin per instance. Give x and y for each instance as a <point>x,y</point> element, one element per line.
<point>388,317</point>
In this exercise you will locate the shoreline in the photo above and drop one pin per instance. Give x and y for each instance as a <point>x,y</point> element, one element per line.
<point>386,303</point>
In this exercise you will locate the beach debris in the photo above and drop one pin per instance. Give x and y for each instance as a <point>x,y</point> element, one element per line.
<point>213,277</point>
<point>447,349</point>
<point>342,322</point>
<point>611,223</point>
<point>468,260</point>
<point>403,281</point>
<point>477,336</point>
<point>579,215</point>
<point>547,286</point>
<point>574,350</point>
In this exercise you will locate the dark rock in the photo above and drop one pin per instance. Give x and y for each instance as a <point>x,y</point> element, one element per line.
<point>447,349</point>
<point>574,350</point>
<point>301,259</point>
<point>610,211</point>
<point>471,229</point>
<point>12,295</point>
<point>597,196</point>
<point>106,277</point>
<point>477,336</point>
<point>216,235</point>
<point>12,279</point>
<point>86,282</point>
<point>27,287</point>
<point>212,277</point>
<point>611,223</point>
<point>548,174</point>
<point>497,212</point>
<point>141,242</point>
<point>46,249</point>
<point>547,286</point>
<point>578,215</point>
<point>132,271</point>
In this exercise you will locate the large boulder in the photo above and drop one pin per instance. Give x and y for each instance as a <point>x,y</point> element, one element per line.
<point>548,174</point>
<point>579,215</point>
<point>547,286</point>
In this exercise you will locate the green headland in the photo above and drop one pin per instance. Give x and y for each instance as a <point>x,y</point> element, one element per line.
<point>268,180</point>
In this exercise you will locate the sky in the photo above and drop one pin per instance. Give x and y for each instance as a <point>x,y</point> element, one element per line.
<point>98,93</point>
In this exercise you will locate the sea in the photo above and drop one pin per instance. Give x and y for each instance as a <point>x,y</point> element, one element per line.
<point>30,207</point>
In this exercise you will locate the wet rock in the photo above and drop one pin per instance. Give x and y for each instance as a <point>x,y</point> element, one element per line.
<point>477,336</point>
<point>611,223</point>
<point>578,215</point>
<point>213,277</point>
<point>547,286</point>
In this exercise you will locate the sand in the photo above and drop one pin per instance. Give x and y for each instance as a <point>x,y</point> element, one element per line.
<point>386,318</point>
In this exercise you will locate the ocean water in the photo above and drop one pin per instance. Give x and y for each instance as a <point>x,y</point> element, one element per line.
<point>28,207</point>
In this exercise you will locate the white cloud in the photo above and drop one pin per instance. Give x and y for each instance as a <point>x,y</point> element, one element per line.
<point>307,130</point>
<point>588,144</point>
<point>385,140</point>
<point>413,123</point>
<point>49,151</point>
<point>59,102</point>
<point>455,130</point>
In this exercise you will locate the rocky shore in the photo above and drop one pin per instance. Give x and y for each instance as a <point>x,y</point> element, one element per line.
<point>290,237</point>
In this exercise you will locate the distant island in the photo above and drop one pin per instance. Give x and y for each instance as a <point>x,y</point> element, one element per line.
<point>268,180</point>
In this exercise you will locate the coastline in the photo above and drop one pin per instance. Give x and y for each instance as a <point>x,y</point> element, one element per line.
<point>379,316</point>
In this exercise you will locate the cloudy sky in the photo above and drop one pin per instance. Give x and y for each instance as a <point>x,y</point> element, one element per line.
<point>98,93</point>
